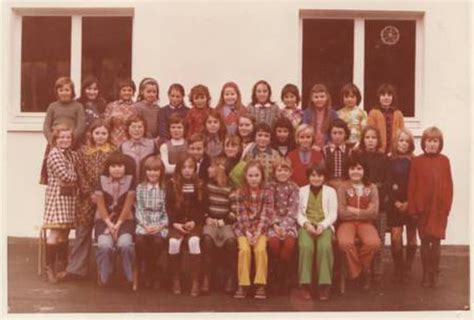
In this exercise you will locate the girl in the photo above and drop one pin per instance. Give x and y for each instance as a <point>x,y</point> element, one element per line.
<point>137,146</point>
<point>152,221</point>
<point>230,106</point>
<point>176,105</point>
<point>399,168</point>
<point>214,133</point>
<point>283,136</point>
<point>60,203</point>
<point>430,196</point>
<point>174,149</point>
<point>337,153</point>
<point>254,207</point>
<point>147,105</point>
<point>92,157</point>
<point>304,155</point>
<point>217,232</point>
<point>114,222</point>
<point>319,114</point>
<point>358,203</point>
<point>377,164</point>
<point>386,117</point>
<point>185,203</point>
<point>351,113</point>
<point>118,112</point>
<point>291,99</point>
<point>282,231</point>
<point>316,216</point>
<point>262,107</point>
<point>91,100</point>
<point>196,117</point>
<point>196,149</point>
<point>246,130</point>
<point>232,151</point>
<point>65,110</point>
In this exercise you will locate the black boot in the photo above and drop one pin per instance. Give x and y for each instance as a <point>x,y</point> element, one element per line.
<point>435,255</point>
<point>397,256</point>
<point>174,268</point>
<point>195,265</point>
<point>425,263</point>
<point>410,252</point>
<point>51,253</point>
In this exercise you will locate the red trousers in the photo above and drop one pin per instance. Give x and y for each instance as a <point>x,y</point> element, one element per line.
<point>282,249</point>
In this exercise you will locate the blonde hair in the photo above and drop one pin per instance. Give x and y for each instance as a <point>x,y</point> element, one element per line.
<point>411,141</point>
<point>64,81</point>
<point>432,133</point>
<point>303,128</point>
<point>57,129</point>
<point>282,163</point>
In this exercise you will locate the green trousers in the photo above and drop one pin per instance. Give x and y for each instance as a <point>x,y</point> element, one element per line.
<point>324,258</point>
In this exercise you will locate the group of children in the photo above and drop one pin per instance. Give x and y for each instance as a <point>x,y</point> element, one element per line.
<point>229,183</point>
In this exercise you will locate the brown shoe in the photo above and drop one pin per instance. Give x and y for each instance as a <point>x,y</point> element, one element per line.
<point>176,286</point>
<point>205,285</point>
<point>240,293</point>
<point>51,275</point>
<point>323,292</point>
<point>260,293</point>
<point>229,285</point>
<point>195,288</point>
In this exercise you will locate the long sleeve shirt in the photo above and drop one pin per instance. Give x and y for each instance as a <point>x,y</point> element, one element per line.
<point>365,198</point>
<point>71,113</point>
<point>164,116</point>
<point>286,203</point>
<point>150,208</point>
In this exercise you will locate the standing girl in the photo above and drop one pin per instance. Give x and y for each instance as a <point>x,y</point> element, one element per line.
<point>399,168</point>
<point>304,155</point>
<point>118,112</point>
<point>185,203</point>
<point>147,105</point>
<point>230,106</point>
<point>152,221</point>
<point>175,149</point>
<point>351,113</point>
<point>195,119</point>
<point>262,107</point>
<point>385,116</point>
<point>92,157</point>
<point>291,99</point>
<point>283,136</point>
<point>176,105</point>
<point>246,130</point>
<point>319,114</point>
<point>254,206</point>
<point>214,133</point>
<point>91,100</point>
<point>60,203</point>
<point>430,196</point>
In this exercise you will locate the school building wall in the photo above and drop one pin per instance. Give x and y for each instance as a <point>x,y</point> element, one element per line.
<point>212,43</point>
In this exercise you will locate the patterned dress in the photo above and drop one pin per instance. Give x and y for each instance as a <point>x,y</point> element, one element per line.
<point>60,209</point>
<point>356,119</point>
<point>286,198</point>
<point>117,114</point>
<point>90,166</point>
<point>294,115</point>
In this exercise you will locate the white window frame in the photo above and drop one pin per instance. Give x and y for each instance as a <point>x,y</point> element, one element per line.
<point>19,120</point>
<point>413,123</point>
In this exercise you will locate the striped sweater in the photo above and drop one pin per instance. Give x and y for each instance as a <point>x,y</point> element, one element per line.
<point>219,203</point>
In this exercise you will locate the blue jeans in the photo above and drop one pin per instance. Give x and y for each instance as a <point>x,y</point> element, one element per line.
<point>105,255</point>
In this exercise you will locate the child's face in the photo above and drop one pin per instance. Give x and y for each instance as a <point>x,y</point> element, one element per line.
<point>92,91</point>
<point>290,100</point>
<point>230,96</point>
<point>150,93</point>
<point>153,175</point>
<point>200,101</point>
<point>338,136</point>
<point>177,130</point>
<point>176,98</point>
<point>188,170</point>
<point>64,139</point>
<point>100,135</point>
<point>386,99</point>
<point>245,127</point>
<point>196,150</point>
<point>126,93</point>
<point>356,174</point>
<point>136,130</point>
<point>212,125</point>
<point>231,150</point>
<point>305,140</point>
<point>350,100</point>
<point>262,139</point>
<point>117,171</point>
<point>370,141</point>
<point>282,174</point>
<point>253,177</point>
<point>282,134</point>
<point>403,143</point>
<point>432,145</point>
<point>262,93</point>
<point>315,179</point>
<point>319,99</point>
<point>65,93</point>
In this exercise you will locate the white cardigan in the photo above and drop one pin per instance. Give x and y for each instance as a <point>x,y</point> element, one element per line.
<point>329,199</point>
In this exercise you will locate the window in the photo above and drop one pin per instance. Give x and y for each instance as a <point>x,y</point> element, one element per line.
<point>366,48</point>
<point>74,45</point>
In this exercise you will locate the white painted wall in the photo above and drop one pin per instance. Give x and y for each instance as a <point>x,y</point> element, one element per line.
<point>212,43</point>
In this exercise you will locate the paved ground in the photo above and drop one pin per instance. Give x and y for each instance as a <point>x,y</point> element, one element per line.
<point>28,293</point>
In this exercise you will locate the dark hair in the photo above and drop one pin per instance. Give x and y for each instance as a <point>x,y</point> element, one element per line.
<point>319,87</point>
<point>362,145</point>
<point>200,90</point>
<point>390,89</point>
<point>176,118</point>
<point>291,88</point>
<point>64,81</point>
<point>238,104</point>
<point>97,123</point>
<point>100,101</point>
<point>126,83</point>
<point>319,168</point>
<point>133,119</point>
<point>222,128</point>
<point>118,158</point>
<point>154,162</point>
<point>262,126</point>
<point>254,91</point>
<point>356,160</point>
<point>284,122</point>
<point>146,81</point>
<point>350,88</point>
<point>253,120</point>
<point>339,123</point>
<point>178,182</point>
<point>197,137</point>
<point>177,87</point>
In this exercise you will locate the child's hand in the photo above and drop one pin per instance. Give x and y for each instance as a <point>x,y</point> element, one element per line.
<point>220,223</point>
<point>211,221</point>
<point>189,225</point>
<point>310,228</point>
<point>319,229</point>
<point>398,205</point>
<point>180,228</point>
